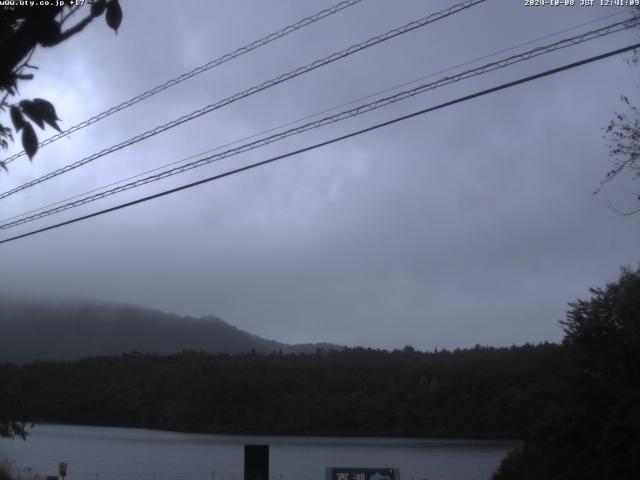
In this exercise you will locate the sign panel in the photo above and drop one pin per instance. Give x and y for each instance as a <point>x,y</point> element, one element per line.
<point>352,473</point>
<point>256,462</point>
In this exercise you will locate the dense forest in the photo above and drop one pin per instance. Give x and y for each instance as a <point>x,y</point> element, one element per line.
<point>480,392</point>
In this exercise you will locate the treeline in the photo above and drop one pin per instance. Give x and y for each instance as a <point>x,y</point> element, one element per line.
<point>594,433</point>
<point>479,392</point>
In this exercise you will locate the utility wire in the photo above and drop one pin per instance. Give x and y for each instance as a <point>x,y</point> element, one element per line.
<point>359,110</point>
<point>196,71</point>
<point>258,88</point>
<point>331,141</point>
<point>307,117</point>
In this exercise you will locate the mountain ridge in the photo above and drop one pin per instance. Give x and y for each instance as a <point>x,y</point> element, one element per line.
<point>69,330</point>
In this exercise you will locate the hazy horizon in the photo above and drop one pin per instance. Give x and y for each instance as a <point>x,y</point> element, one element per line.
<point>74,302</point>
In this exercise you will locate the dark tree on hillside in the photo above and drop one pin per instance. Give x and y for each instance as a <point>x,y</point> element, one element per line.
<point>23,29</point>
<point>595,434</point>
<point>604,331</point>
<point>11,418</point>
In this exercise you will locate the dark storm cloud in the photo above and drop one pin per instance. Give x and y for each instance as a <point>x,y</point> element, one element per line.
<point>472,225</point>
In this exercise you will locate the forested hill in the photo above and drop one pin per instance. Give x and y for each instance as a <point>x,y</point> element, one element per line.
<point>42,330</point>
<point>481,392</point>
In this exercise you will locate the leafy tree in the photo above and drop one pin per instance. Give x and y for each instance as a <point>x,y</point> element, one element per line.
<point>623,136</point>
<point>595,432</point>
<point>22,29</point>
<point>604,331</point>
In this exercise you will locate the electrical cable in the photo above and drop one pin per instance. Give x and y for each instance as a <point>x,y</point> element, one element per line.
<point>196,71</point>
<point>331,141</point>
<point>575,40</point>
<point>307,117</point>
<point>258,88</point>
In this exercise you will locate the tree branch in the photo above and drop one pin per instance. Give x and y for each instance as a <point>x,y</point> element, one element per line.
<point>77,28</point>
<point>610,206</point>
<point>70,13</point>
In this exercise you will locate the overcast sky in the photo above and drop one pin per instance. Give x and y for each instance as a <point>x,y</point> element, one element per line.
<point>475,224</point>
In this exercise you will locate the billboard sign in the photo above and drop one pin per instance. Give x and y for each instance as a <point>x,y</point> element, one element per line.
<point>352,473</point>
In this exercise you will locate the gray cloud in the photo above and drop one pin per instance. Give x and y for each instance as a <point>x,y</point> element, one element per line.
<point>475,224</point>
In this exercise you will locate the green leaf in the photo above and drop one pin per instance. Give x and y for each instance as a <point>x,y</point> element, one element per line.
<point>16,118</point>
<point>114,15</point>
<point>47,112</point>
<point>32,112</point>
<point>29,140</point>
<point>97,7</point>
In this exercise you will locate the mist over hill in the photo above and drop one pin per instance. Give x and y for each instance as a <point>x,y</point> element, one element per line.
<point>55,330</point>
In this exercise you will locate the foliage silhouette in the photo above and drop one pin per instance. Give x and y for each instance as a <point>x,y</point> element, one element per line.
<point>22,29</point>
<point>623,137</point>
<point>595,432</point>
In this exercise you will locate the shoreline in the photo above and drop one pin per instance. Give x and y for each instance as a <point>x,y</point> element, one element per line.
<point>304,438</point>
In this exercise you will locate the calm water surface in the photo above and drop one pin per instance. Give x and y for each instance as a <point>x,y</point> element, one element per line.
<point>96,453</point>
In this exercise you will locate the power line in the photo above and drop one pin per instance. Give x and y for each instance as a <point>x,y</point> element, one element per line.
<point>307,117</point>
<point>331,141</point>
<point>359,110</point>
<point>258,88</point>
<point>196,71</point>
<point>331,119</point>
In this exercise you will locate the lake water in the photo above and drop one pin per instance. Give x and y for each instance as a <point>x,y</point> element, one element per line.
<point>94,453</point>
